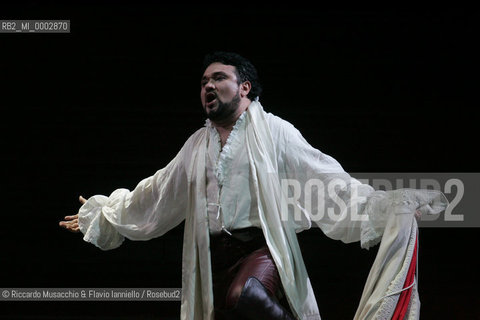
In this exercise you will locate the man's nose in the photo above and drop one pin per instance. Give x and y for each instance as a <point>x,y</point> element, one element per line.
<point>209,86</point>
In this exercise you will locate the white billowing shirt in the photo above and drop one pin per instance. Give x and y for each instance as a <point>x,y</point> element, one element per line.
<point>229,196</point>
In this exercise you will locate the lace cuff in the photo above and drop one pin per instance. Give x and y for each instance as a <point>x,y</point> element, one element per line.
<point>372,228</point>
<point>95,227</point>
<point>402,201</point>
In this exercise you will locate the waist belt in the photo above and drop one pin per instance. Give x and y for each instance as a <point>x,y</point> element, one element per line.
<point>244,235</point>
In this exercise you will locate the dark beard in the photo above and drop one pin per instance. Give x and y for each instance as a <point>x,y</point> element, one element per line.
<point>225,110</point>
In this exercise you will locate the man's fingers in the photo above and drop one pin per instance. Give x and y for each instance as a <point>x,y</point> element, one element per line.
<point>418,214</point>
<point>70,225</point>
<point>82,200</point>
<point>71,222</point>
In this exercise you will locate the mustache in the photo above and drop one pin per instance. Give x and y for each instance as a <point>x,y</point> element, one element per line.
<point>224,110</point>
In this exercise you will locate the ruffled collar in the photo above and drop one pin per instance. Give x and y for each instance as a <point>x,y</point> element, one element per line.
<point>227,153</point>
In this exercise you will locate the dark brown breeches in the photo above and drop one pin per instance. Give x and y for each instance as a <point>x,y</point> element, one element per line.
<point>234,261</point>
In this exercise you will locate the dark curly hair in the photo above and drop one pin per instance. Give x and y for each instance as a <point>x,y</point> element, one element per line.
<point>244,69</point>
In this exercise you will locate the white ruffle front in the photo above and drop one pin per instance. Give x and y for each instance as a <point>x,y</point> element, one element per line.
<point>226,155</point>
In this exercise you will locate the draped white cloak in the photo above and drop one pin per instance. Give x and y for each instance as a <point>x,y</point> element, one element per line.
<point>278,157</point>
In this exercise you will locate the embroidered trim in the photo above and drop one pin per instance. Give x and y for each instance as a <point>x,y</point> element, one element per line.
<point>369,237</point>
<point>372,229</point>
<point>387,307</point>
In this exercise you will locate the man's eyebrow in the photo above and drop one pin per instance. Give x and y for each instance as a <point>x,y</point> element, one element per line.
<point>215,74</point>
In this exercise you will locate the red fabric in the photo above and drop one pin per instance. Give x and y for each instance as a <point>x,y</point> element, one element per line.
<point>404,299</point>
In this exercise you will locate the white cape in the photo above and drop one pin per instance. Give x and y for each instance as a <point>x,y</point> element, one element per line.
<point>178,192</point>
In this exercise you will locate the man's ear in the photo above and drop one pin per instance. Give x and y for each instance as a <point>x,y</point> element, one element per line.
<point>245,88</point>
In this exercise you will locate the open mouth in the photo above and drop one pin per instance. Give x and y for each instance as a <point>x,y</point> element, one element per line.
<point>210,98</point>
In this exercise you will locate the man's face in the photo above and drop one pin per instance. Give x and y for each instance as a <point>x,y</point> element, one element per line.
<point>219,93</point>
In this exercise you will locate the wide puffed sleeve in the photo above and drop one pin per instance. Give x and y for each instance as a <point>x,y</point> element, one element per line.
<point>317,187</point>
<point>156,205</point>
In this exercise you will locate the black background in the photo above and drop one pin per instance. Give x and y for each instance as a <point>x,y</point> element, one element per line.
<point>113,101</point>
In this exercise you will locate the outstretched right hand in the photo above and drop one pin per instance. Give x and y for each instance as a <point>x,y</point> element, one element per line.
<point>71,222</point>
